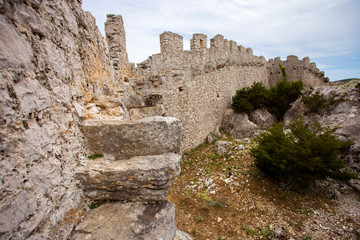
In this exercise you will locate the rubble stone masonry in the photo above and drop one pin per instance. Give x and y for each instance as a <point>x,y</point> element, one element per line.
<point>197,85</point>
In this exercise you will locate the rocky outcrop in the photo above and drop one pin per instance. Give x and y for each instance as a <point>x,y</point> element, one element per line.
<point>126,139</point>
<point>342,112</point>
<point>262,118</point>
<point>133,221</point>
<point>243,125</point>
<point>53,62</point>
<point>237,125</point>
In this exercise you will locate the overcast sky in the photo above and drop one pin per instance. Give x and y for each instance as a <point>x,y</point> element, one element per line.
<point>327,31</point>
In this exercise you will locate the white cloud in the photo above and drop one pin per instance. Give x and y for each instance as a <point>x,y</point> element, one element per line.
<point>322,28</point>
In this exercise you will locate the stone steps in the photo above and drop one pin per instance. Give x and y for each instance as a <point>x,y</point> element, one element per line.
<point>139,163</point>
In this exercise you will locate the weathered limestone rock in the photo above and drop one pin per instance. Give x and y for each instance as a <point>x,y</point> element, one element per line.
<point>221,147</point>
<point>33,97</point>
<point>13,55</point>
<point>262,118</point>
<point>130,221</point>
<point>145,178</point>
<point>238,125</point>
<point>124,139</point>
<point>343,112</point>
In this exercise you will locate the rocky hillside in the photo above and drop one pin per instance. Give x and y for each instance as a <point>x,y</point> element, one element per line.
<point>341,109</point>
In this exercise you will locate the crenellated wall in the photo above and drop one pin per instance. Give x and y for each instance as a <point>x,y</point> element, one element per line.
<point>296,69</point>
<point>197,86</point>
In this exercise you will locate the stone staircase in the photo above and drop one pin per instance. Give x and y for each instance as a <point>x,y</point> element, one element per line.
<point>139,163</point>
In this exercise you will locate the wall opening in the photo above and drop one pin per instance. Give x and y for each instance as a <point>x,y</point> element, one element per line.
<point>201,43</point>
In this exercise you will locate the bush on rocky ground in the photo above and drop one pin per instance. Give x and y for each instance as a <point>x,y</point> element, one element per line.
<point>315,102</point>
<point>277,99</point>
<point>301,155</point>
<point>280,97</point>
<point>249,98</point>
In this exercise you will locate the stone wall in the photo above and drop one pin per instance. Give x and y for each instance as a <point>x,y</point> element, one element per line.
<point>197,85</point>
<point>296,69</point>
<point>53,63</point>
<point>116,39</point>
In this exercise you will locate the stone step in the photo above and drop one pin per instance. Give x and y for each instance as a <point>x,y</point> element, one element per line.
<point>141,178</point>
<point>126,139</point>
<point>130,221</point>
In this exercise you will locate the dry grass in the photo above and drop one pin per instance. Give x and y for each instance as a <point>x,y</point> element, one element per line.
<point>227,197</point>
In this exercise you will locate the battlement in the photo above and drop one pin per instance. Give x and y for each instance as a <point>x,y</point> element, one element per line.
<point>199,41</point>
<point>171,42</point>
<point>297,69</point>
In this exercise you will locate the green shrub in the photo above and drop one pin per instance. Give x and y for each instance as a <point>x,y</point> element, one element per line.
<point>315,102</point>
<point>304,154</point>
<point>249,98</point>
<point>277,99</point>
<point>96,156</point>
<point>280,97</point>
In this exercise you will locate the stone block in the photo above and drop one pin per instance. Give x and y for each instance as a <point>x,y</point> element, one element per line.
<point>144,178</point>
<point>131,221</point>
<point>125,139</point>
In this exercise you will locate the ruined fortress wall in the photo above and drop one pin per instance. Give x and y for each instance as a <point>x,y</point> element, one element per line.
<point>53,61</point>
<point>116,39</point>
<point>197,85</point>
<point>297,70</point>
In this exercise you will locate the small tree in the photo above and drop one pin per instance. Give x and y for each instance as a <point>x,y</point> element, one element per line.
<point>280,97</point>
<point>249,98</point>
<point>315,102</point>
<point>277,99</point>
<point>305,154</point>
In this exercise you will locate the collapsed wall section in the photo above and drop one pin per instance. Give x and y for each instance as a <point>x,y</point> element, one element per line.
<point>53,61</point>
